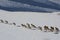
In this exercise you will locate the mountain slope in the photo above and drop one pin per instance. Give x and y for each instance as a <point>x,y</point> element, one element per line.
<point>11,32</point>
<point>26,5</point>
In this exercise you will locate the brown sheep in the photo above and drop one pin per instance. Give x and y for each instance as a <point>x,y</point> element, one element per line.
<point>6,22</point>
<point>14,23</point>
<point>51,29</point>
<point>46,28</point>
<point>28,25</point>
<point>56,30</point>
<point>33,25</point>
<point>2,21</point>
<point>40,28</point>
<point>24,25</point>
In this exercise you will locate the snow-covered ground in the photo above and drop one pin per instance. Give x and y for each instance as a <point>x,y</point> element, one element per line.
<point>11,32</point>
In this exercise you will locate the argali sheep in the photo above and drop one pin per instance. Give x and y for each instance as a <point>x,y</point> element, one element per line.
<point>56,30</point>
<point>33,25</point>
<point>39,28</point>
<point>51,29</point>
<point>28,25</point>
<point>6,22</point>
<point>46,28</point>
<point>1,21</point>
<point>23,25</point>
<point>14,23</point>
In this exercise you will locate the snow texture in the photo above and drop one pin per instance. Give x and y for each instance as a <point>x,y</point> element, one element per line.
<point>11,32</point>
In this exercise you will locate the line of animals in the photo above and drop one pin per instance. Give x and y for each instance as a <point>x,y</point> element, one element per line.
<point>33,27</point>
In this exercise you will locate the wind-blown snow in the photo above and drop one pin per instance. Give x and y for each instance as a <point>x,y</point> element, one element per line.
<point>10,32</point>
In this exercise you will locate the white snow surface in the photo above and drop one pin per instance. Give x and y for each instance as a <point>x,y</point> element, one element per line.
<point>11,32</point>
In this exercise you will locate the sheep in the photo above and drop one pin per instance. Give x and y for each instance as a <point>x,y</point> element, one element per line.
<point>6,22</point>
<point>46,28</point>
<point>24,25</point>
<point>40,28</point>
<point>51,29</point>
<point>2,21</point>
<point>28,25</point>
<point>56,30</point>
<point>14,23</point>
<point>33,25</point>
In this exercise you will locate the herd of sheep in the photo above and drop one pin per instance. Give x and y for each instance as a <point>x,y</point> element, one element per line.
<point>33,27</point>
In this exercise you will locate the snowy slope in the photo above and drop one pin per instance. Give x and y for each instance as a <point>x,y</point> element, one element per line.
<point>11,32</point>
<point>30,5</point>
<point>56,1</point>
